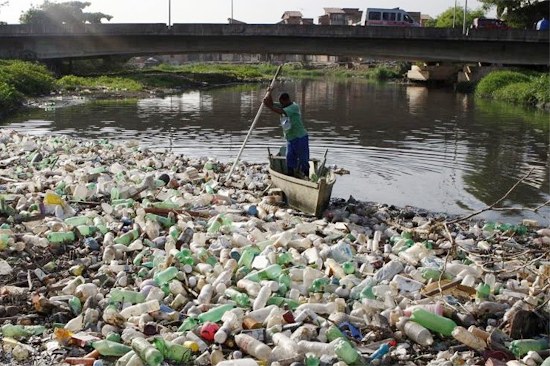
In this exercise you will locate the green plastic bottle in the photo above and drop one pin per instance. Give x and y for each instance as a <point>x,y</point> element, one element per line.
<point>173,351</point>
<point>346,352</point>
<point>214,315</point>
<point>61,237</point>
<point>77,220</point>
<point>240,298</point>
<point>247,256</point>
<point>433,322</point>
<point>348,267</point>
<point>86,230</point>
<point>282,301</point>
<point>204,256</point>
<point>147,352</point>
<point>189,324</point>
<point>483,291</point>
<point>128,237</point>
<point>271,272</point>
<point>165,276</point>
<point>129,296</point>
<point>334,333</point>
<point>164,221</point>
<point>21,331</point>
<point>110,348</point>
<point>521,347</point>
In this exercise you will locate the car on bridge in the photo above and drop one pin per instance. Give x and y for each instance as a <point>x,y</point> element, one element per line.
<point>390,18</point>
<point>489,23</point>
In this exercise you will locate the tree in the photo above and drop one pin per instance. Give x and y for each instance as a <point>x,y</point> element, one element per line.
<point>519,13</point>
<point>445,19</point>
<point>70,12</point>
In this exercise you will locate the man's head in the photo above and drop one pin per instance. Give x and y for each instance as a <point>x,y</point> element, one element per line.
<point>284,99</point>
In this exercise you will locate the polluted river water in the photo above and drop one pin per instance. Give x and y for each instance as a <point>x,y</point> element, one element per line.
<point>403,145</point>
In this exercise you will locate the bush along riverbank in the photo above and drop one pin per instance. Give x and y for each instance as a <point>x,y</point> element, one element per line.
<point>20,80</point>
<point>519,87</point>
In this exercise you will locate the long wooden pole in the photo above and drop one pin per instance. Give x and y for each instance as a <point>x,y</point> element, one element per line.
<point>271,86</point>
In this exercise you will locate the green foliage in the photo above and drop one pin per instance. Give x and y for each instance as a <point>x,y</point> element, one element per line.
<point>497,80</point>
<point>383,73</point>
<point>516,87</point>
<point>9,97</point>
<point>521,93</point>
<point>70,12</point>
<point>518,13</point>
<point>28,78</point>
<point>445,19</point>
<point>71,82</point>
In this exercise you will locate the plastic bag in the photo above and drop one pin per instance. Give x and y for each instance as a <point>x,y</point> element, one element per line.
<point>286,124</point>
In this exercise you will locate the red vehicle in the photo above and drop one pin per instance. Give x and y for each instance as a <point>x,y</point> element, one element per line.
<point>489,23</point>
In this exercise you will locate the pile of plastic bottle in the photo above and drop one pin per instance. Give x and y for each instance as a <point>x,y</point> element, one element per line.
<point>123,256</point>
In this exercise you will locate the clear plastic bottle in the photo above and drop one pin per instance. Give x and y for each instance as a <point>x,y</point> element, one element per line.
<point>126,296</point>
<point>318,308</point>
<point>252,346</point>
<point>416,332</point>
<point>138,309</point>
<point>462,335</point>
<point>239,362</point>
<point>283,341</point>
<point>317,348</point>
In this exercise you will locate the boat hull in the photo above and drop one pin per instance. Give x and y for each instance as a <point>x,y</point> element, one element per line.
<point>309,197</point>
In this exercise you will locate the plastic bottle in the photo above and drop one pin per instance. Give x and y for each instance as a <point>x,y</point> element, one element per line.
<point>261,299</point>
<point>126,296</point>
<point>333,333</point>
<point>165,276</point>
<point>21,331</point>
<point>434,322</point>
<point>253,347</point>
<point>128,237</point>
<point>436,308</point>
<point>147,352</point>
<point>318,308</point>
<point>61,237</point>
<point>283,341</point>
<point>215,314</point>
<point>271,272</point>
<point>317,348</point>
<point>173,351</point>
<point>462,335</point>
<point>138,309</point>
<point>109,348</point>
<point>346,352</point>
<point>239,362</point>
<point>388,271</point>
<point>416,332</point>
<point>521,347</point>
<point>381,351</point>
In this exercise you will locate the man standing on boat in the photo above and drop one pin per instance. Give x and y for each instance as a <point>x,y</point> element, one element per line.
<point>297,147</point>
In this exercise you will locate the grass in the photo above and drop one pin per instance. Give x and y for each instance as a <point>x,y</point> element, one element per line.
<point>520,87</point>
<point>109,83</point>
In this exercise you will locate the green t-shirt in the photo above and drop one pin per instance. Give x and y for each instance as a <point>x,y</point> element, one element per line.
<point>297,127</point>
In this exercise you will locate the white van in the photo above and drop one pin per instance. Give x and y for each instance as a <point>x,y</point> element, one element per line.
<point>389,18</point>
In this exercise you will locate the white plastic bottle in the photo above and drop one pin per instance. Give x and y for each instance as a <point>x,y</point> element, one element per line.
<point>138,309</point>
<point>327,308</point>
<point>252,346</point>
<point>261,299</point>
<point>462,335</point>
<point>317,348</point>
<point>239,362</point>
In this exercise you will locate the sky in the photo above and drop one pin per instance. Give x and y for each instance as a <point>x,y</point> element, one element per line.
<point>218,11</point>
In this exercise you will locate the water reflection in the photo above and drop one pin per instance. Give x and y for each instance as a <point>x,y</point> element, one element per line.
<point>404,145</point>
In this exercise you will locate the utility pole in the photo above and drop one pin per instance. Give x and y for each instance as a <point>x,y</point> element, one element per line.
<point>169,13</point>
<point>464,18</point>
<point>231,20</point>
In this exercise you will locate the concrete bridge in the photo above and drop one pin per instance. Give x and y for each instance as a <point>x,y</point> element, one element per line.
<point>518,47</point>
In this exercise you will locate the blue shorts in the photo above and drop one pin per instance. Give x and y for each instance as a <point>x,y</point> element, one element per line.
<point>297,155</point>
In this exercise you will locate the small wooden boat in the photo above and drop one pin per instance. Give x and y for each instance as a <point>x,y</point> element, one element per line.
<point>311,197</point>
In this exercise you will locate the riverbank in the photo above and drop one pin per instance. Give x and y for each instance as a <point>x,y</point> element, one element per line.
<point>102,244</point>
